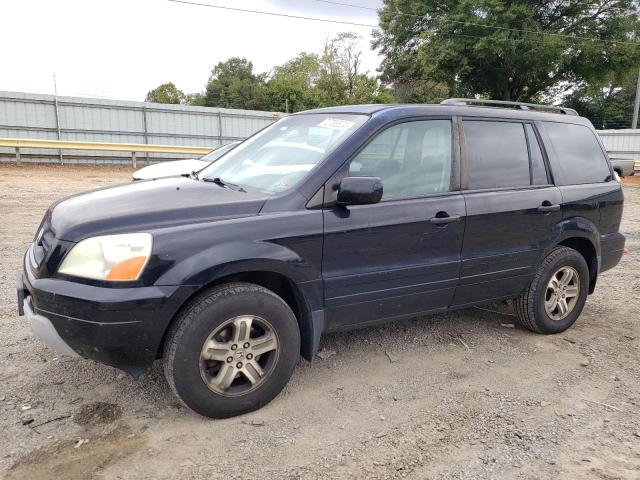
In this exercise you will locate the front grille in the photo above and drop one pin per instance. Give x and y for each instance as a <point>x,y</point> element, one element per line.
<point>46,240</point>
<point>43,242</point>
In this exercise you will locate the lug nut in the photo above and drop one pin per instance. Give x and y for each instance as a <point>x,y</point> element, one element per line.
<point>234,346</point>
<point>230,359</point>
<point>239,365</point>
<point>249,356</point>
<point>246,345</point>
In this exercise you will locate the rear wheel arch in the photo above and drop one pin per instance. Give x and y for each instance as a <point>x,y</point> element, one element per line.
<point>587,249</point>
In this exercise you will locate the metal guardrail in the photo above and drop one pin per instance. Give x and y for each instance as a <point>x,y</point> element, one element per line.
<point>18,143</point>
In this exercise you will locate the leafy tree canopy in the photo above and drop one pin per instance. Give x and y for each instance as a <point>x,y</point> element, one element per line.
<point>332,76</point>
<point>234,85</point>
<point>609,105</point>
<point>503,49</point>
<point>166,93</point>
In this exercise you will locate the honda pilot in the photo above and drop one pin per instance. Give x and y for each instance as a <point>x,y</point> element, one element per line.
<point>326,220</point>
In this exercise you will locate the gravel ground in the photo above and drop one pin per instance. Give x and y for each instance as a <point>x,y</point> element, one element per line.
<point>462,395</point>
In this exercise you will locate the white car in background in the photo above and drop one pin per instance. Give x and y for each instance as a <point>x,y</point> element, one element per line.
<point>181,167</point>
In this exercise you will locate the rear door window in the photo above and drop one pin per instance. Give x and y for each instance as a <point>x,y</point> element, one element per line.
<point>579,157</point>
<point>497,154</point>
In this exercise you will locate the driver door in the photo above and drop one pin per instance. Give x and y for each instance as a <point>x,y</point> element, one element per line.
<point>400,256</point>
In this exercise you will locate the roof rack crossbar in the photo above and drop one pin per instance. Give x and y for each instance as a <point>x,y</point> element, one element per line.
<point>504,103</point>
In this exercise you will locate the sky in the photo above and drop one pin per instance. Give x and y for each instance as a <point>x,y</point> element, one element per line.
<point>121,49</point>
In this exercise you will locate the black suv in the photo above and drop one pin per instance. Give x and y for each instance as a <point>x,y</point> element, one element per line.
<point>326,220</point>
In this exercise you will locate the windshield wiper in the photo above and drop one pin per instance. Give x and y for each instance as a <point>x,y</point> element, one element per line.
<point>193,175</point>
<point>222,183</point>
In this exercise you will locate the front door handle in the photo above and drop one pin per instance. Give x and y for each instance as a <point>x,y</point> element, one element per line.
<point>442,218</point>
<point>547,207</point>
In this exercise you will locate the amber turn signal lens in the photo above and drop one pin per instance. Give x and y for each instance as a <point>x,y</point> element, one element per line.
<point>128,269</point>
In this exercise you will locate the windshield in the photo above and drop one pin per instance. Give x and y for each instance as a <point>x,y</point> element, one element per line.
<point>218,152</point>
<point>277,158</point>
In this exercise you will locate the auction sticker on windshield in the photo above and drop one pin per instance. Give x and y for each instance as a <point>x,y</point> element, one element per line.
<point>336,124</point>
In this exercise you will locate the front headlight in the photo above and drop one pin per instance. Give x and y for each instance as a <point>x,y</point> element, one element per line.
<point>117,258</point>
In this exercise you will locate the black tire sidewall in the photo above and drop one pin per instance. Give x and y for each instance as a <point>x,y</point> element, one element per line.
<point>571,259</point>
<point>184,361</point>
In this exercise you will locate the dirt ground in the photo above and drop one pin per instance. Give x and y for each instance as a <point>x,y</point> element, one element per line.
<point>461,395</point>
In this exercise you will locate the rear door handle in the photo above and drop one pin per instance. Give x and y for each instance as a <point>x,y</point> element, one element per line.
<point>443,220</point>
<point>546,207</point>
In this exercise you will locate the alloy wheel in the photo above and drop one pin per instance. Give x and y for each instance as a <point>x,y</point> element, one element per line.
<point>239,355</point>
<point>562,293</point>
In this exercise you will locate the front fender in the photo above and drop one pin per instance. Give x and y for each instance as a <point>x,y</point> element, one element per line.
<point>230,258</point>
<point>223,260</point>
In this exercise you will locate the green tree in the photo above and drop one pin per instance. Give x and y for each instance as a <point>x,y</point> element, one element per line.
<point>196,99</point>
<point>292,86</point>
<point>331,77</point>
<point>366,89</point>
<point>608,105</point>
<point>503,49</point>
<point>166,93</point>
<point>234,85</point>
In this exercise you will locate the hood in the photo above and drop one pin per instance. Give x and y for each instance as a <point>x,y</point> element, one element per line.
<point>169,169</point>
<point>148,205</point>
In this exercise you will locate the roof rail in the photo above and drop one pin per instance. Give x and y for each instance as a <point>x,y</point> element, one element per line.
<point>503,103</point>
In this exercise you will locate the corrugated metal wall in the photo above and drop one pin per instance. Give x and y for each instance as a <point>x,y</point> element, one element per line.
<point>622,143</point>
<point>25,115</point>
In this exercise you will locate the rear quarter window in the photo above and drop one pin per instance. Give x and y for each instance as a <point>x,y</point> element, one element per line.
<point>578,156</point>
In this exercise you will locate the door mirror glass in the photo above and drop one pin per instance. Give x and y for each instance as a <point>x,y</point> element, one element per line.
<point>359,191</point>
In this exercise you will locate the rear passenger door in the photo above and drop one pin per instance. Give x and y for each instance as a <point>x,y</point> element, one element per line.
<point>512,206</point>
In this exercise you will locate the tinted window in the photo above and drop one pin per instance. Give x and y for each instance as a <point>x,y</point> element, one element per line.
<point>412,159</point>
<point>538,170</point>
<point>497,154</point>
<point>579,156</point>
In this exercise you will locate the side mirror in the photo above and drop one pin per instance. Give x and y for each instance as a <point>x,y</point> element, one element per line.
<point>359,191</point>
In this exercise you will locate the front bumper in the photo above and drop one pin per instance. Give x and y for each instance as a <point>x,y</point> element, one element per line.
<point>44,329</point>
<point>121,327</point>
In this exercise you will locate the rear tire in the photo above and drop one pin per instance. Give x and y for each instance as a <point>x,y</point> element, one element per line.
<point>548,305</point>
<point>232,350</point>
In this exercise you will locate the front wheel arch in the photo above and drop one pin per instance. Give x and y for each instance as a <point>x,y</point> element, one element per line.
<point>276,282</point>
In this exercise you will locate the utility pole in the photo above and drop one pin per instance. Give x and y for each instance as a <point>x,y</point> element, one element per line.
<point>634,123</point>
<point>57,114</point>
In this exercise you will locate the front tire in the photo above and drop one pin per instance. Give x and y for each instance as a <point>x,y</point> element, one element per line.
<point>232,350</point>
<point>557,294</point>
